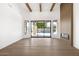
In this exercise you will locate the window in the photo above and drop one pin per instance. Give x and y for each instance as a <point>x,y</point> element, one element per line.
<point>54,26</point>
<point>26,26</point>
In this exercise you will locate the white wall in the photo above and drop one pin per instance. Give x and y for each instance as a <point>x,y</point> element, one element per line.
<point>56,16</point>
<point>40,16</point>
<point>76,25</point>
<point>10,25</point>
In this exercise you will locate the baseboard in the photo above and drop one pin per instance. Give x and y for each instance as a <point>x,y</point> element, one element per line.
<point>76,46</point>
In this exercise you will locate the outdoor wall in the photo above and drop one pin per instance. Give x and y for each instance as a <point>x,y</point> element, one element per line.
<point>10,25</point>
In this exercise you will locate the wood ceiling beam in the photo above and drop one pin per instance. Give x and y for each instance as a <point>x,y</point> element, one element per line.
<point>40,5</point>
<point>52,7</point>
<point>28,6</point>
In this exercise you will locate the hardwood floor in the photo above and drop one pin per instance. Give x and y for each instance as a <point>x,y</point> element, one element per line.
<point>40,47</point>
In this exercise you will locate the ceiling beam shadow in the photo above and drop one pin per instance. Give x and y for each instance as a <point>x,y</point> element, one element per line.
<point>28,6</point>
<point>52,7</point>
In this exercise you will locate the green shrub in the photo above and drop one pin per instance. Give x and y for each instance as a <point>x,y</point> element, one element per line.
<point>41,25</point>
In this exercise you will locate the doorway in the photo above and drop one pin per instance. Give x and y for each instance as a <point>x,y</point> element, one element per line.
<point>41,29</point>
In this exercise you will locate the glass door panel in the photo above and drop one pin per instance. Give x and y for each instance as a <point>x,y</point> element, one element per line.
<point>47,29</point>
<point>34,29</point>
<point>41,28</point>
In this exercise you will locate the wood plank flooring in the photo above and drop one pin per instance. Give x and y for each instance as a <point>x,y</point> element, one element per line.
<point>40,47</point>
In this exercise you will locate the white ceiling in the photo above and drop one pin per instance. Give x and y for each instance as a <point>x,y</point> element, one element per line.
<point>34,7</point>
<point>45,7</point>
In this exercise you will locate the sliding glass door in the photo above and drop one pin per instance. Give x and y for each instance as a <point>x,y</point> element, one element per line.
<point>41,28</point>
